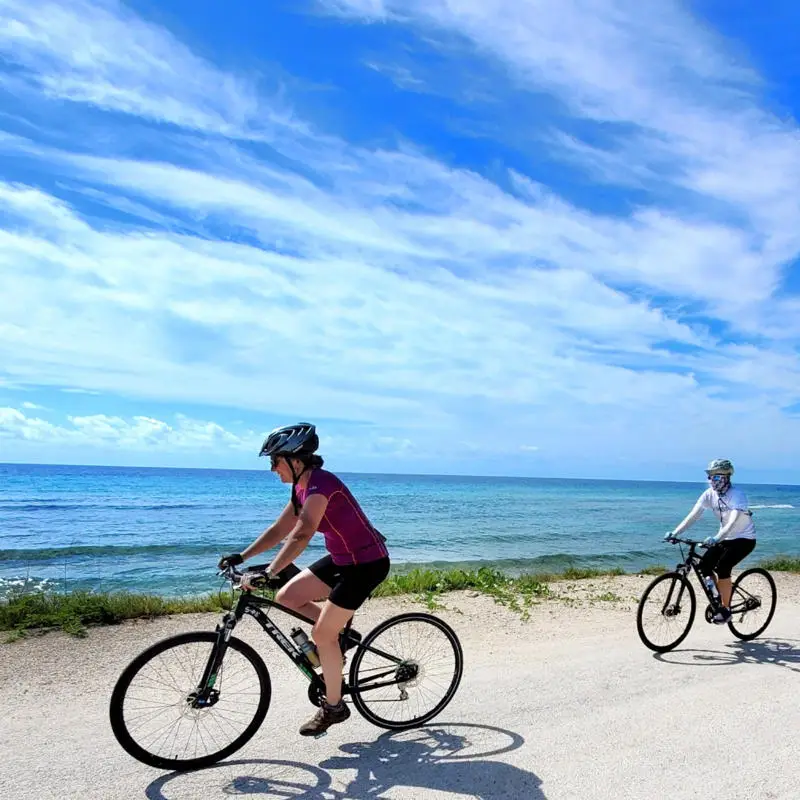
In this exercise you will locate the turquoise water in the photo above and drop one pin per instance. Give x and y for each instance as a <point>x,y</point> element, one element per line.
<point>162,530</point>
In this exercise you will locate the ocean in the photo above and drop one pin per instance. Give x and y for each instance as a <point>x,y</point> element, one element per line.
<point>163,530</point>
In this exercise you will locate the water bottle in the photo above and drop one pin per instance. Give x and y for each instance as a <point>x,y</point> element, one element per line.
<point>305,645</point>
<point>712,587</point>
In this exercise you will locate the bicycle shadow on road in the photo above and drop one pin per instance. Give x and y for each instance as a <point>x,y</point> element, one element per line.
<point>442,757</point>
<point>781,652</point>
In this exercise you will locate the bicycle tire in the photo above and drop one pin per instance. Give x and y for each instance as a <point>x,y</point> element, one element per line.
<point>667,576</point>
<point>771,581</point>
<point>383,722</point>
<point>140,753</point>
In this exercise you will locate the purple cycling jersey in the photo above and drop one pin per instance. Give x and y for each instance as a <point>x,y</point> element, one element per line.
<point>350,538</point>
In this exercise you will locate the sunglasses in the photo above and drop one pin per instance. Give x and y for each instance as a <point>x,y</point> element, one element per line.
<point>273,461</point>
<point>715,478</point>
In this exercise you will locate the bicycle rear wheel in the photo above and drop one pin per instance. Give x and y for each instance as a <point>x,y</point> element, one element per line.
<point>413,677</point>
<point>753,600</point>
<point>662,619</point>
<point>152,710</point>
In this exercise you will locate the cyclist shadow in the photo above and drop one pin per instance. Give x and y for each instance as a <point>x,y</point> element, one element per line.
<point>246,777</point>
<point>439,757</point>
<point>434,758</point>
<point>781,652</point>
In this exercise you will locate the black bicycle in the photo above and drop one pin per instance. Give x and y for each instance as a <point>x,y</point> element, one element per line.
<point>668,604</point>
<point>191,700</point>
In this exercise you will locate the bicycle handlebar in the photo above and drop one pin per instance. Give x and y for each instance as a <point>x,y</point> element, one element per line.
<point>678,539</point>
<point>230,573</point>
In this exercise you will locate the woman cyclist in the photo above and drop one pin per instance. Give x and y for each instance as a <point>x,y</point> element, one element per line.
<point>736,537</point>
<point>357,560</point>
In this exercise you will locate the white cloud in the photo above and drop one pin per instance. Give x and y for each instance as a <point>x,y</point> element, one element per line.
<point>224,323</point>
<point>14,424</point>
<point>386,287</point>
<point>679,112</point>
<point>523,327</point>
<point>138,433</point>
<point>102,54</point>
<point>401,76</point>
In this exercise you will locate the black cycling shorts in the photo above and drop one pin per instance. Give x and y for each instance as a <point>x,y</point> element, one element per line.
<point>350,584</point>
<point>723,557</point>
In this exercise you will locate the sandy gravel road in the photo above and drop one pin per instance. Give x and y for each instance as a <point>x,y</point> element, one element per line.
<point>564,706</point>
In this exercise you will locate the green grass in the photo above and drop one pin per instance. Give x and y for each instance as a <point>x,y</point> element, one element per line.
<point>781,564</point>
<point>608,597</point>
<point>656,569</point>
<point>74,611</point>
<point>518,593</point>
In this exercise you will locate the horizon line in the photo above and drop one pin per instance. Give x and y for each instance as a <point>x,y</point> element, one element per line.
<point>394,474</point>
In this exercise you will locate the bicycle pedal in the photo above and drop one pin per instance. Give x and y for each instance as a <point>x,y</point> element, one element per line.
<point>320,735</point>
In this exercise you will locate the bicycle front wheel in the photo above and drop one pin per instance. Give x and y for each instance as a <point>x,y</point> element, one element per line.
<point>410,674</point>
<point>153,709</point>
<point>753,600</point>
<point>666,612</point>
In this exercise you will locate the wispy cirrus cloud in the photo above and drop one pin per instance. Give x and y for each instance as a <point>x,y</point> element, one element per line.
<point>104,55</point>
<point>669,102</point>
<point>391,286</point>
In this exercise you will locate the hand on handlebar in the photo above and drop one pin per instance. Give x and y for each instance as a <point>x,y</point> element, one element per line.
<point>674,538</point>
<point>232,560</point>
<point>258,580</point>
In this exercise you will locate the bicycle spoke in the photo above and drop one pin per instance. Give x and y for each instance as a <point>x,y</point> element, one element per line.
<point>752,603</point>
<point>159,719</point>
<point>420,685</point>
<point>665,613</point>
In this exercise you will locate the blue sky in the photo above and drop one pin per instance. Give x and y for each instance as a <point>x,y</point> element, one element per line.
<point>555,238</point>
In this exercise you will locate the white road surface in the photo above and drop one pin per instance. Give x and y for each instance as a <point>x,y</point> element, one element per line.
<point>568,705</point>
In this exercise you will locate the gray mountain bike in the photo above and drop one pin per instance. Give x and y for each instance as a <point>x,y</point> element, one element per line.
<point>193,699</point>
<point>667,607</point>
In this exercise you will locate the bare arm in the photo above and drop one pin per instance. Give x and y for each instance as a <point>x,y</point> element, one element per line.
<point>305,527</point>
<point>690,518</point>
<point>273,534</point>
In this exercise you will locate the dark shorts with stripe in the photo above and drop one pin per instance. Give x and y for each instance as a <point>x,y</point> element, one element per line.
<point>350,584</point>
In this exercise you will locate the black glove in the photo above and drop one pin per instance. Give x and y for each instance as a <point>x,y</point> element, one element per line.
<point>259,580</point>
<point>232,560</point>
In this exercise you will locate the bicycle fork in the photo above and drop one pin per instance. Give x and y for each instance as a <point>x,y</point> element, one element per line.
<point>672,605</point>
<point>205,695</point>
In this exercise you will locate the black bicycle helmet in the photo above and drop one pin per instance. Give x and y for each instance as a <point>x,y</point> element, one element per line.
<point>299,439</point>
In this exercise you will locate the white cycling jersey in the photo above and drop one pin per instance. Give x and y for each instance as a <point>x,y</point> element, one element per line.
<point>722,505</point>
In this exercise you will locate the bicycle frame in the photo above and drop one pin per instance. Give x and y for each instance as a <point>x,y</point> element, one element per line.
<point>684,568</point>
<point>253,605</point>
<point>691,564</point>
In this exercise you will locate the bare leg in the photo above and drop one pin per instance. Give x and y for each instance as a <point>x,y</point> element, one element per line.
<point>724,586</point>
<point>296,594</point>
<point>326,637</point>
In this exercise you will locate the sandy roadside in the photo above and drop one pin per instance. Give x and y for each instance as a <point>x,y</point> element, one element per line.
<point>567,704</point>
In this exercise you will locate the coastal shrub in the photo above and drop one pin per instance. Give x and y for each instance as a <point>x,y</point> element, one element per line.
<point>780,564</point>
<point>73,611</point>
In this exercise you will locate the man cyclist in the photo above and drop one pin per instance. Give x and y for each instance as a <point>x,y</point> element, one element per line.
<point>357,560</point>
<point>736,537</point>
